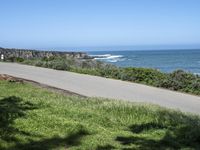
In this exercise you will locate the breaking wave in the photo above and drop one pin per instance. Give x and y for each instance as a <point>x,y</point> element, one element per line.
<point>109,57</point>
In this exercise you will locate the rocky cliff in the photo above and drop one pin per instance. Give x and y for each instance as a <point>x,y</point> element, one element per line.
<point>29,54</point>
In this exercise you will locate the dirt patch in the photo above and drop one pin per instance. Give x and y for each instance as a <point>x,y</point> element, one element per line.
<point>4,77</point>
<point>51,88</point>
<point>10,78</point>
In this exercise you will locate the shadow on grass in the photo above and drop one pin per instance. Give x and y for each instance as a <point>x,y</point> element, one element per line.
<point>74,139</point>
<point>12,108</point>
<point>146,126</point>
<point>178,134</point>
<point>105,147</point>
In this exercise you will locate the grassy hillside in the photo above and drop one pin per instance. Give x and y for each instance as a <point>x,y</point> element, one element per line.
<point>178,80</point>
<point>34,118</point>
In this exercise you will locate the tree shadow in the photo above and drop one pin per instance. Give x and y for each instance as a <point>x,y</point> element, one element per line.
<point>105,147</point>
<point>177,136</point>
<point>145,127</point>
<point>73,139</point>
<point>12,108</point>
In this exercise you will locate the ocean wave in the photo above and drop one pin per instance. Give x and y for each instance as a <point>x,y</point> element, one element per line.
<point>113,61</point>
<point>196,73</point>
<point>109,57</point>
<point>101,56</point>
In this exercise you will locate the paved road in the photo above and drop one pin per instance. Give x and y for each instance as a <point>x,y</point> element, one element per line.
<point>101,87</point>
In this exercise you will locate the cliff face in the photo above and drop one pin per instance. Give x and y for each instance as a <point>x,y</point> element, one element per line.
<point>28,54</point>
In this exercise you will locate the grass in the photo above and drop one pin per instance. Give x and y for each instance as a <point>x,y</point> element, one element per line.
<point>34,118</point>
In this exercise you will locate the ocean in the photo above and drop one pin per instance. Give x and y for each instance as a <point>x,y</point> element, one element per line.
<point>164,60</point>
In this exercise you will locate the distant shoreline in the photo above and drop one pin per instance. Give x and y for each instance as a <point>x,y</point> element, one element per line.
<point>106,48</point>
<point>31,53</point>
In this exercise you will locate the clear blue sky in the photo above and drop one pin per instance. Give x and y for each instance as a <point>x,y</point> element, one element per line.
<point>99,23</point>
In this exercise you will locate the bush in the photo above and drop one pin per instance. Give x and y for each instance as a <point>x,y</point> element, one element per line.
<point>142,75</point>
<point>39,63</point>
<point>15,59</point>
<point>18,59</point>
<point>60,65</point>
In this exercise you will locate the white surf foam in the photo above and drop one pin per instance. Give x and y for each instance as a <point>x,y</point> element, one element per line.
<point>108,57</point>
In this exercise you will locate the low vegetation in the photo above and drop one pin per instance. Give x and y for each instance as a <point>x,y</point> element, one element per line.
<point>178,80</point>
<point>34,118</point>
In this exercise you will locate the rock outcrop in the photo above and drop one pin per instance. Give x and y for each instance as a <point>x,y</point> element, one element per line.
<point>29,54</point>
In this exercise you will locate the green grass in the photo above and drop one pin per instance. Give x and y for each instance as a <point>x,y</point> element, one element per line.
<point>34,118</point>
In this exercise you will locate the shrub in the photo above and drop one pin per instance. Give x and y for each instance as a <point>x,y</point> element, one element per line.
<point>60,65</point>
<point>39,63</point>
<point>18,59</point>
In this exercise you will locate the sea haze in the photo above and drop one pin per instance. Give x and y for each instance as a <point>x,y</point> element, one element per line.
<point>164,60</point>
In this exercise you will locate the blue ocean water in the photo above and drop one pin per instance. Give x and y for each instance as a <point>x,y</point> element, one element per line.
<point>164,60</point>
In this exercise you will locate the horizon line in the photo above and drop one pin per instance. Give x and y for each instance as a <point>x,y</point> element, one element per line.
<point>106,47</point>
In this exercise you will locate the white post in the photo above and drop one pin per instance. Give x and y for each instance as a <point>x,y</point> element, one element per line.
<point>2,57</point>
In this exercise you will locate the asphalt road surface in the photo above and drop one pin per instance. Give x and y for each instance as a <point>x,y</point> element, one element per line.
<point>94,86</point>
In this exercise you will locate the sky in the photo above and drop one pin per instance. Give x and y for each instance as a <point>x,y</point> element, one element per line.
<point>100,24</point>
